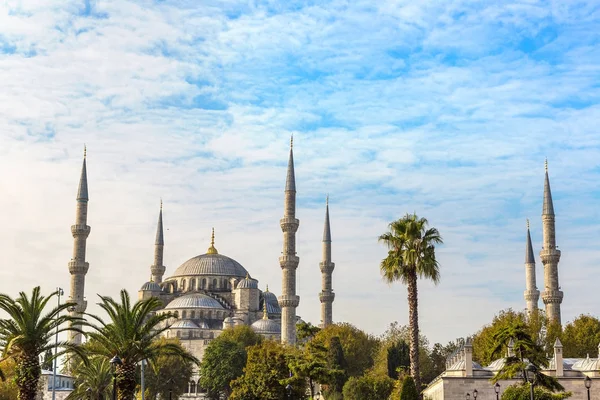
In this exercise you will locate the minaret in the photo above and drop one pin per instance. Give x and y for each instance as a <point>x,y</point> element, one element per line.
<point>326,296</point>
<point>532,294</point>
<point>288,301</point>
<point>158,269</point>
<point>77,266</point>
<point>550,255</point>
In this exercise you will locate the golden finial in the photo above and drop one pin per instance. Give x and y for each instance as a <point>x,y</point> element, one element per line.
<point>267,291</point>
<point>161,204</point>
<point>292,141</point>
<point>151,280</point>
<point>527,223</point>
<point>212,249</point>
<point>84,151</point>
<point>546,165</point>
<point>247,275</point>
<point>265,312</point>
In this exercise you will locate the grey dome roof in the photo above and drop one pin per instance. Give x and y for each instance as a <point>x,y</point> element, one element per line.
<point>184,324</point>
<point>266,326</point>
<point>273,308</point>
<point>195,300</point>
<point>151,286</point>
<point>247,283</point>
<point>211,264</point>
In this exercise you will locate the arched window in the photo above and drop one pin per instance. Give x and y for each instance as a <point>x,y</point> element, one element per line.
<point>193,387</point>
<point>178,334</point>
<point>193,314</point>
<point>183,314</point>
<point>192,284</point>
<point>209,314</point>
<point>201,314</point>
<point>183,285</point>
<point>214,283</point>
<point>203,283</point>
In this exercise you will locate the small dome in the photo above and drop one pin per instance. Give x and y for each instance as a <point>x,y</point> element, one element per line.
<point>203,325</point>
<point>195,300</point>
<point>273,308</point>
<point>151,286</point>
<point>266,326</point>
<point>184,324</point>
<point>247,283</point>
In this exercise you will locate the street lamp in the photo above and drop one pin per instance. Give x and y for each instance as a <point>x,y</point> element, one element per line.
<point>289,391</point>
<point>530,376</point>
<point>475,394</point>
<point>588,385</point>
<point>468,396</point>
<point>59,292</point>
<point>115,361</point>
<point>497,390</point>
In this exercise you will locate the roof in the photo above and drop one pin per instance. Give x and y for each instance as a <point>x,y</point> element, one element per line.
<point>211,265</point>
<point>529,257</point>
<point>195,300</point>
<point>548,208</point>
<point>266,326</point>
<point>290,181</point>
<point>327,228</point>
<point>151,286</point>
<point>247,283</point>
<point>184,324</point>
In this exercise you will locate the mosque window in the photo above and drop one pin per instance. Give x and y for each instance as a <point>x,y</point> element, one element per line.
<point>193,314</point>
<point>209,314</point>
<point>192,387</point>
<point>203,283</point>
<point>183,285</point>
<point>214,283</point>
<point>178,334</point>
<point>183,314</point>
<point>201,314</point>
<point>192,284</point>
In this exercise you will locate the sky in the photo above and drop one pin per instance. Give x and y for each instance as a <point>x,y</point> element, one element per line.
<point>443,108</point>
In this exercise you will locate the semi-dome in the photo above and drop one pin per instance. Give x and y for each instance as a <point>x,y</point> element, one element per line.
<point>247,283</point>
<point>266,326</point>
<point>195,300</point>
<point>272,302</point>
<point>151,286</point>
<point>184,324</point>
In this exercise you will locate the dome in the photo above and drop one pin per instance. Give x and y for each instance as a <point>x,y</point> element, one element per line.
<point>266,326</point>
<point>247,283</point>
<point>211,264</point>
<point>203,325</point>
<point>195,300</point>
<point>184,324</point>
<point>273,308</point>
<point>151,286</point>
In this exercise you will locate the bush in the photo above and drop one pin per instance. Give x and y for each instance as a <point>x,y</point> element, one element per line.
<point>522,392</point>
<point>409,390</point>
<point>368,387</point>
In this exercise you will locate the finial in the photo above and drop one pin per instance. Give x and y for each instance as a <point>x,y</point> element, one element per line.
<point>247,275</point>
<point>546,165</point>
<point>267,290</point>
<point>292,141</point>
<point>327,200</point>
<point>212,249</point>
<point>84,151</point>
<point>527,223</point>
<point>161,204</point>
<point>151,280</point>
<point>265,312</point>
<point>212,237</point>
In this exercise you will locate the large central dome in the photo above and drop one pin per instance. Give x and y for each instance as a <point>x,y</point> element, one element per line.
<point>211,264</point>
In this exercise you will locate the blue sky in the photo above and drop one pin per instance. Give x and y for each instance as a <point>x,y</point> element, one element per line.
<point>444,108</point>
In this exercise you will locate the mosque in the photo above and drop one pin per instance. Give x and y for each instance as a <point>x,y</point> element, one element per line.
<point>212,292</point>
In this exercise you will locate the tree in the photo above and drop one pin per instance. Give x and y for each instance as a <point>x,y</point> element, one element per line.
<point>94,374</point>
<point>438,356</point>
<point>8,387</point>
<point>28,332</point>
<point>267,373</point>
<point>409,389</point>
<point>359,348</point>
<point>242,334</point>
<point>167,374</point>
<point>368,387</point>
<point>581,336</point>
<point>522,392</point>
<point>336,361</point>
<point>223,361</point>
<point>306,331</point>
<point>313,366</point>
<point>131,332</point>
<point>411,255</point>
<point>48,361</point>
<point>398,357</point>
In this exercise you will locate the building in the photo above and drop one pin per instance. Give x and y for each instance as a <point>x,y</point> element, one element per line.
<point>64,385</point>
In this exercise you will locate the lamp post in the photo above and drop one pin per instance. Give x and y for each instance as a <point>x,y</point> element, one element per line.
<point>468,396</point>
<point>530,376</point>
<point>289,391</point>
<point>588,384</point>
<point>497,390</point>
<point>475,394</point>
<point>115,361</point>
<point>60,292</point>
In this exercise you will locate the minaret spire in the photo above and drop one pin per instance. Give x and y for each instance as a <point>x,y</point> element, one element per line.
<point>78,267</point>
<point>532,294</point>
<point>326,296</point>
<point>289,260</point>
<point>550,256</point>
<point>158,269</point>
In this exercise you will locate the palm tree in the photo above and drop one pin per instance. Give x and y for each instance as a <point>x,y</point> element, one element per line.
<point>92,379</point>
<point>131,332</point>
<point>28,332</point>
<point>411,255</point>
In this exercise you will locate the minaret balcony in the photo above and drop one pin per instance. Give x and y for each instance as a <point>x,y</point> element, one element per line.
<point>552,296</point>
<point>326,268</point>
<point>288,301</point>
<point>77,267</point>
<point>289,224</point>
<point>326,297</point>
<point>288,261</point>
<point>532,295</point>
<point>80,230</point>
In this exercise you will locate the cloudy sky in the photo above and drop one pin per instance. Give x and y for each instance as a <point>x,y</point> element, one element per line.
<point>443,108</point>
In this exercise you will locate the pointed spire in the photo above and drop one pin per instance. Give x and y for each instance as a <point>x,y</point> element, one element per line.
<point>327,228</point>
<point>529,257</point>
<point>548,206</point>
<point>212,249</point>
<point>557,343</point>
<point>290,182</point>
<point>82,192</point>
<point>160,241</point>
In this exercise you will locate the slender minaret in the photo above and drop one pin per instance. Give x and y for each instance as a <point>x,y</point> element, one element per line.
<point>326,296</point>
<point>158,269</point>
<point>288,301</point>
<point>532,294</point>
<point>550,255</point>
<point>77,266</point>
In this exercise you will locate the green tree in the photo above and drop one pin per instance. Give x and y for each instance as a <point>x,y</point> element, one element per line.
<point>242,334</point>
<point>167,374</point>
<point>28,332</point>
<point>411,255</point>
<point>409,389</point>
<point>267,373</point>
<point>224,360</point>
<point>96,375</point>
<point>131,332</point>
<point>48,361</point>
<point>8,386</point>
<point>438,356</point>
<point>398,358</point>
<point>368,387</point>
<point>581,336</point>
<point>359,348</point>
<point>522,392</point>
<point>305,331</point>
<point>313,366</point>
<point>336,361</point>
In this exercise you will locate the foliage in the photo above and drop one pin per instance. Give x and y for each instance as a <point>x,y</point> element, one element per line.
<point>409,390</point>
<point>267,373</point>
<point>48,361</point>
<point>305,331</point>
<point>438,356</point>
<point>28,332</point>
<point>398,358</point>
<point>411,255</point>
<point>581,337</point>
<point>242,334</point>
<point>522,392</point>
<point>96,375</point>
<point>359,348</point>
<point>336,361</point>
<point>131,332</point>
<point>368,387</point>
<point>224,360</point>
<point>8,386</point>
<point>312,364</point>
<point>167,373</point>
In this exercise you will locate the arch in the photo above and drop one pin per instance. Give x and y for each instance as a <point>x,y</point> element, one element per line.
<point>192,284</point>
<point>193,387</point>
<point>209,314</point>
<point>203,286</point>
<point>183,285</point>
<point>214,283</point>
<point>184,314</point>
<point>193,314</point>
<point>201,314</point>
<point>178,334</point>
